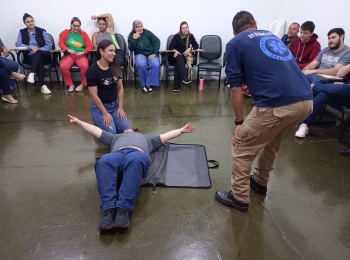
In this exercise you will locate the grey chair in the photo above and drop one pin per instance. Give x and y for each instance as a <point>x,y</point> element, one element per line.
<point>212,45</point>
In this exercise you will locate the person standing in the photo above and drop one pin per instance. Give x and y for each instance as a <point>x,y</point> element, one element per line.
<point>282,99</point>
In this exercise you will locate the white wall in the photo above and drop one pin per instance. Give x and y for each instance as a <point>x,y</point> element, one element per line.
<point>164,17</point>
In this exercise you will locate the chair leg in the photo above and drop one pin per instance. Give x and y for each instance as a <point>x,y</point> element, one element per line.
<point>344,129</point>
<point>25,79</point>
<point>219,78</point>
<point>135,78</point>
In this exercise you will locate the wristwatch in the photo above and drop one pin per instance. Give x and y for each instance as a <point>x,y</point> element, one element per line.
<point>239,122</point>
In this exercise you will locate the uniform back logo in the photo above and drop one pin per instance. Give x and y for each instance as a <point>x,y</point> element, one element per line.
<point>275,49</point>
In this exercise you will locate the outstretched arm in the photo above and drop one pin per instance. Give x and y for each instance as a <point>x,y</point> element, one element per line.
<point>91,129</point>
<point>189,128</point>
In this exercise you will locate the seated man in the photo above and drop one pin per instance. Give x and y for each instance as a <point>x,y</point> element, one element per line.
<point>129,159</point>
<point>292,34</point>
<point>306,48</point>
<point>325,93</point>
<point>330,59</point>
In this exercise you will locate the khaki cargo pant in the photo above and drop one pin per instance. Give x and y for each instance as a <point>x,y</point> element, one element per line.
<point>263,131</point>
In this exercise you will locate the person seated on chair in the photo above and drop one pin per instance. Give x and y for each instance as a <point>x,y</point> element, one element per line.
<point>338,93</point>
<point>145,45</point>
<point>105,25</point>
<point>129,158</point>
<point>182,43</point>
<point>306,48</point>
<point>38,43</point>
<point>8,72</point>
<point>76,45</point>
<point>104,79</point>
<point>330,59</point>
<point>6,77</point>
<point>292,33</point>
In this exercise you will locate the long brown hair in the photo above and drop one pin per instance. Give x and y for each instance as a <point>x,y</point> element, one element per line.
<point>114,65</point>
<point>188,35</point>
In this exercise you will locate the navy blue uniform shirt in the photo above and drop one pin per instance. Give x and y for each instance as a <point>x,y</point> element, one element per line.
<point>262,61</point>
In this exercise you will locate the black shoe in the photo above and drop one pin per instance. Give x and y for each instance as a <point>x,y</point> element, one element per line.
<point>122,218</point>
<point>187,80</point>
<point>345,152</point>
<point>227,199</point>
<point>107,220</point>
<point>150,89</point>
<point>176,90</point>
<point>145,89</point>
<point>256,186</point>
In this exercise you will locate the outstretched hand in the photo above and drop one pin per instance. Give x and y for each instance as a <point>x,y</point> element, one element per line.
<point>74,121</point>
<point>189,128</point>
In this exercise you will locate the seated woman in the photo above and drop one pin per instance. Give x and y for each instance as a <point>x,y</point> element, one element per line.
<point>8,72</point>
<point>129,158</point>
<point>106,90</point>
<point>37,42</point>
<point>7,75</point>
<point>145,45</point>
<point>105,25</point>
<point>76,45</point>
<point>182,43</point>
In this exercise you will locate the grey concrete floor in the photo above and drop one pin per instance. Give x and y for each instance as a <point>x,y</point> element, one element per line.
<point>49,204</point>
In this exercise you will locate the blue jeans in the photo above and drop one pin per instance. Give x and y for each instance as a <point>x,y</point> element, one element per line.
<point>10,66</point>
<point>325,93</point>
<point>118,125</point>
<point>148,77</point>
<point>129,164</point>
<point>313,79</point>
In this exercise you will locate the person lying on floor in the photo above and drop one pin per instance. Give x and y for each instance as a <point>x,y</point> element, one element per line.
<point>129,157</point>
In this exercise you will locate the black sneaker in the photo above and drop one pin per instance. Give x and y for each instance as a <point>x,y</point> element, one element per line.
<point>187,80</point>
<point>107,219</point>
<point>122,218</point>
<point>227,199</point>
<point>176,90</point>
<point>256,186</point>
<point>150,89</point>
<point>145,88</point>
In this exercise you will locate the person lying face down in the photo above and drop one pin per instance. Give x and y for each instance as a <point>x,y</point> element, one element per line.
<point>129,158</point>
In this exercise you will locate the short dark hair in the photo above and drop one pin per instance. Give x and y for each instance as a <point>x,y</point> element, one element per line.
<point>339,31</point>
<point>25,16</point>
<point>297,24</point>
<point>308,25</point>
<point>242,21</point>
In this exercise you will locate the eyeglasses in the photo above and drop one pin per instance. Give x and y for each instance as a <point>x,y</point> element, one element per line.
<point>78,26</point>
<point>184,28</point>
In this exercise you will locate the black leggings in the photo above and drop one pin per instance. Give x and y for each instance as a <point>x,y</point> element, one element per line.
<point>37,61</point>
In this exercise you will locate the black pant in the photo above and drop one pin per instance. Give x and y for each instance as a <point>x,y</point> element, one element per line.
<point>37,61</point>
<point>180,69</point>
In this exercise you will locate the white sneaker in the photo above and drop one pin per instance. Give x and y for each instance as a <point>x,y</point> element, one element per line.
<point>45,90</point>
<point>145,89</point>
<point>303,131</point>
<point>30,78</point>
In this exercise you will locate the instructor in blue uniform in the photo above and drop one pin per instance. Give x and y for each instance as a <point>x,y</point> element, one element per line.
<point>282,99</point>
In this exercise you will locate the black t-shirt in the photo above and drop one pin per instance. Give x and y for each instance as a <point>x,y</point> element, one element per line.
<point>105,81</point>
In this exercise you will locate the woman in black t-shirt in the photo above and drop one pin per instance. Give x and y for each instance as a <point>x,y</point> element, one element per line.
<point>182,43</point>
<point>106,90</point>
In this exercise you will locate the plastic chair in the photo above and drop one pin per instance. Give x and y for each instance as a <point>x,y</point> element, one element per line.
<point>277,27</point>
<point>212,45</point>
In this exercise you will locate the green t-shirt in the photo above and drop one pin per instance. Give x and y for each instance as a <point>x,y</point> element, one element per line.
<point>75,42</point>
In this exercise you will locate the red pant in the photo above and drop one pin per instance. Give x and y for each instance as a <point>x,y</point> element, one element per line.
<point>67,61</point>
